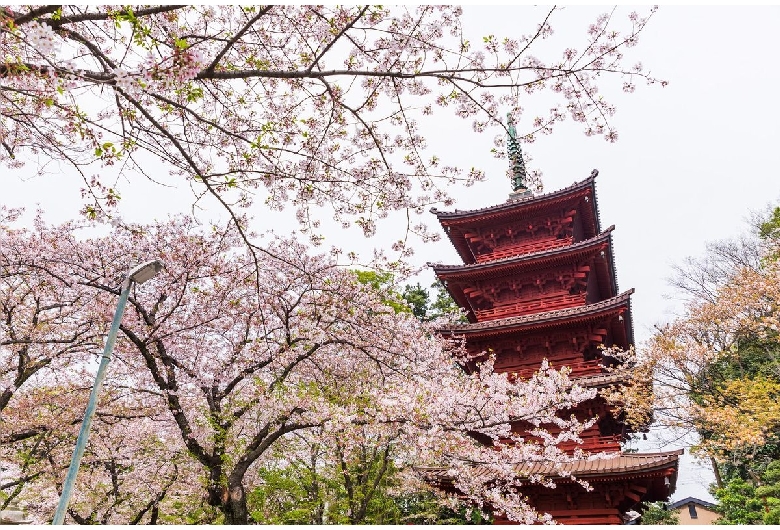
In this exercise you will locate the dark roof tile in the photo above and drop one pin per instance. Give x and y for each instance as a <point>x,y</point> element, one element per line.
<point>542,254</point>
<point>623,463</point>
<point>547,316</point>
<point>513,203</point>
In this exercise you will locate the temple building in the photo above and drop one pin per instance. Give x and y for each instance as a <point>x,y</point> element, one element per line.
<point>538,282</point>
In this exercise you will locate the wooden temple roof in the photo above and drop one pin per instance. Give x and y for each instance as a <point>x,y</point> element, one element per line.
<point>456,223</point>
<point>547,319</point>
<point>542,258</point>
<point>512,206</point>
<point>597,468</point>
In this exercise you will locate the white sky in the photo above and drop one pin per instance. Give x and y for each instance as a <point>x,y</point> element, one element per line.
<point>693,159</point>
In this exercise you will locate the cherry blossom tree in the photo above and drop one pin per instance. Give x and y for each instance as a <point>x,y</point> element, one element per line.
<point>716,365</point>
<point>135,468</point>
<point>219,369</point>
<point>297,106</point>
<point>46,322</point>
<point>48,337</point>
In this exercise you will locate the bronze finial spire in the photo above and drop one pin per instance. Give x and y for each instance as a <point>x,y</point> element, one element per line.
<point>515,156</point>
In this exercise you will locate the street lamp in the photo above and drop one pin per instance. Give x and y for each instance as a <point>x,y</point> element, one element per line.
<point>139,275</point>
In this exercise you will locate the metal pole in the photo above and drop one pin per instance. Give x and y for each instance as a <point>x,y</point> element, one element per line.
<point>81,443</point>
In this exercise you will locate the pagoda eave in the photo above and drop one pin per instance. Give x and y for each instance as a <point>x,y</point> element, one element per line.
<point>534,260</point>
<point>562,317</point>
<point>597,469</point>
<point>581,196</point>
<point>510,208</point>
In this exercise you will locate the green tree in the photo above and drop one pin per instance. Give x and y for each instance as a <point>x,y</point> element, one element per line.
<point>655,513</point>
<point>384,283</point>
<point>770,227</point>
<point>752,501</point>
<point>419,300</point>
<point>327,485</point>
<point>444,305</point>
<point>427,307</point>
<point>413,299</point>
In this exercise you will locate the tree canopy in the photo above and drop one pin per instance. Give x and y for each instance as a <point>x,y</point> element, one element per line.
<point>717,367</point>
<point>287,106</point>
<point>214,370</point>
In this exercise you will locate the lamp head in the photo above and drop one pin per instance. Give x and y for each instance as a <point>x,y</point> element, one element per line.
<point>145,271</point>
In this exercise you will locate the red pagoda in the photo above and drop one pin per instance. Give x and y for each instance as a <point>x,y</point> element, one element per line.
<point>538,282</point>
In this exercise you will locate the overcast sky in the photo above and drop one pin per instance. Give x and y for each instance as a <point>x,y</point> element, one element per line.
<point>692,161</point>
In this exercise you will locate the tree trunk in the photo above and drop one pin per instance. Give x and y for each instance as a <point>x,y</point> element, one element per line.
<point>716,471</point>
<point>234,507</point>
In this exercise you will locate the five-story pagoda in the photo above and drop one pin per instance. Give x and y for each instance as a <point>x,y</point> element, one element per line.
<point>538,282</point>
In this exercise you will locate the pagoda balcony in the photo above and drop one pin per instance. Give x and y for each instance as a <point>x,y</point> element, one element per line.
<point>578,367</point>
<point>591,443</point>
<point>524,247</point>
<point>547,302</point>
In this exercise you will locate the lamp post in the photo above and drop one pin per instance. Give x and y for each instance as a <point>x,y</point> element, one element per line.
<point>139,275</point>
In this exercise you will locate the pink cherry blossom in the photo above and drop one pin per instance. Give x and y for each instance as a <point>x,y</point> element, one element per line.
<point>303,106</point>
<point>213,370</point>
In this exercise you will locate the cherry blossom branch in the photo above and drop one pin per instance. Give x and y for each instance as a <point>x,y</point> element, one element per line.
<point>240,33</point>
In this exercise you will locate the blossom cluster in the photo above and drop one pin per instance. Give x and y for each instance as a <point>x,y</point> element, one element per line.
<point>306,107</point>
<point>220,361</point>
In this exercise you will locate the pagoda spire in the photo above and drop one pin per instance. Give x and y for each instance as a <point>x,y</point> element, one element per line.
<point>517,164</point>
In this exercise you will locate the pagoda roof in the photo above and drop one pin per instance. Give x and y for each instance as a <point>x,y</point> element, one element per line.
<point>546,319</point>
<point>459,222</point>
<point>599,380</point>
<point>589,469</point>
<point>512,206</point>
<point>542,257</point>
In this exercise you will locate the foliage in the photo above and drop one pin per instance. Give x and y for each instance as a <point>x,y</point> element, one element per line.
<point>738,504</point>
<point>327,487</point>
<point>655,513</point>
<point>418,299</point>
<point>383,283</point>
<point>770,228</point>
<point>425,309</point>
<point>414,298</point>
<point>324,487</point>
<point>288,106</point>
<point>213,371</point>
<point>423,507</point>
<point>289,495</point>
<point>717,369</point>
<point>751,502</point>
<point>717,366</point>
